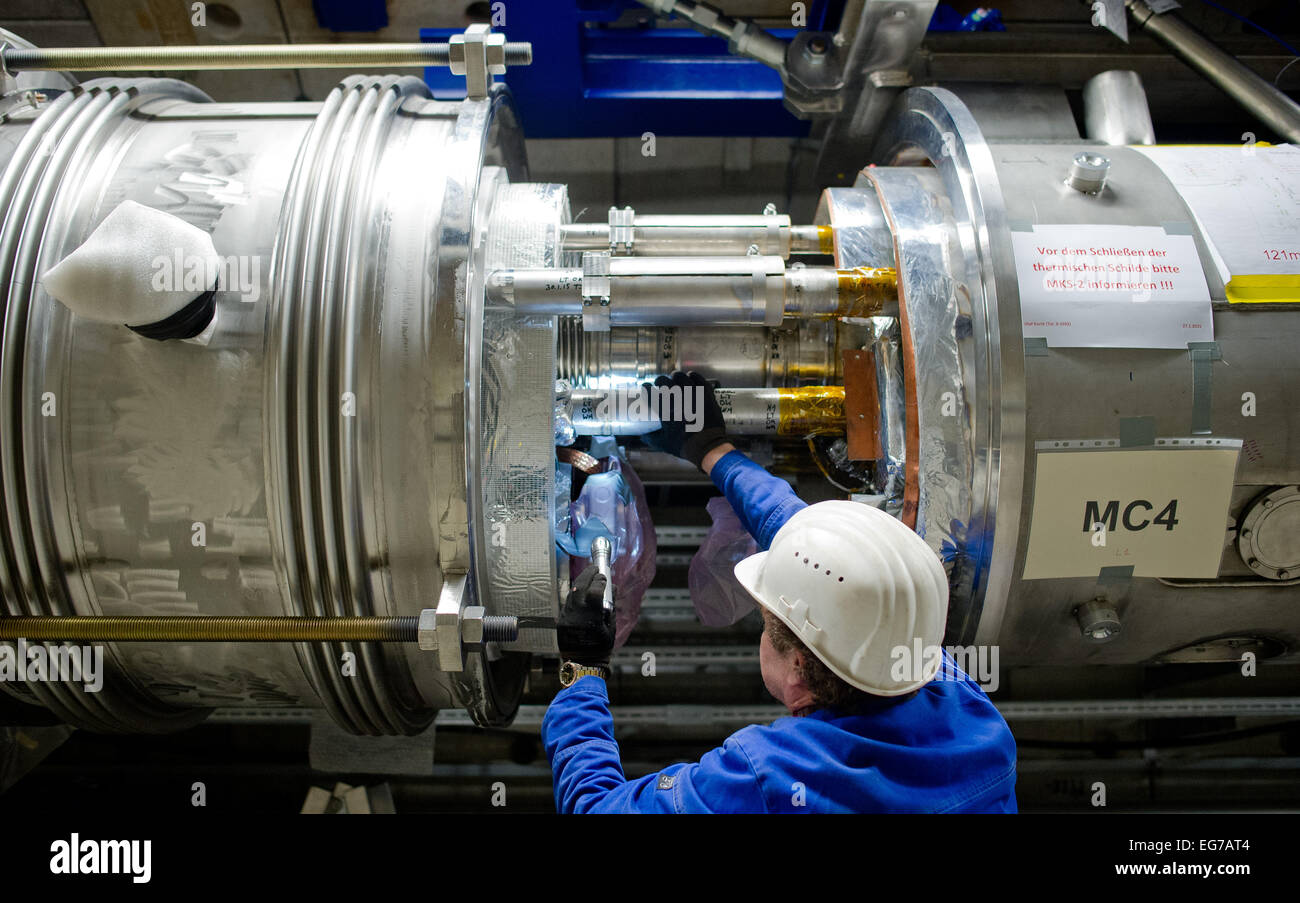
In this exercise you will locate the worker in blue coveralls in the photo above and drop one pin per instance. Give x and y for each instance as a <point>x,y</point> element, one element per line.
<point>844,589</point>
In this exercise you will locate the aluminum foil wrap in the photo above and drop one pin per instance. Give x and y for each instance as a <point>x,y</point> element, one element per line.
<point>517,462</point>
<point>890,389</point>
<point>935,329</point>
<point>863,239</point>
<point>861,233</point>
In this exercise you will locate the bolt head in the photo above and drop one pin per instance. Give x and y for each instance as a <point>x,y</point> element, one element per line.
<point>1098,621</point>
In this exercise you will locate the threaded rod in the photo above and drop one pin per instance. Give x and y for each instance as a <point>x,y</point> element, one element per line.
<point>500,629</point>
<point>209,629</point>
<point>245,56</point>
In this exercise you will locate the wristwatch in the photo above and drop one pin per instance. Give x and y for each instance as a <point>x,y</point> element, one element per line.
<point>571,671</point>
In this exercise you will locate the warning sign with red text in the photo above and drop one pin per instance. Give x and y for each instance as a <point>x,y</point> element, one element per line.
<point>1092,286</point>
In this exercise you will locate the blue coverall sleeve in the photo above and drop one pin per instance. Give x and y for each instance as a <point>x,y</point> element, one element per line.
<point>578,733</point>
<point>578,730</point>
<point>762,502</point>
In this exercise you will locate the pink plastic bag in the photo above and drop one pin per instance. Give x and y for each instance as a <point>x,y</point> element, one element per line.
<point>719,599</point>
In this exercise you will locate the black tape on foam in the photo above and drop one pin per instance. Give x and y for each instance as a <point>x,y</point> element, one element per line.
<point>186,323</point>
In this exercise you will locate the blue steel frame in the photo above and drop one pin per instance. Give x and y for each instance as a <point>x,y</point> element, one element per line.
<point>590,81</point>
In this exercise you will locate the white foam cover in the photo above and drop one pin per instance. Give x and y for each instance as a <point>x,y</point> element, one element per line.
<point>139,266</point>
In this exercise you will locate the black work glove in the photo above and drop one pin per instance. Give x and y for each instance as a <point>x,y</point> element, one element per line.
<point>585,631</point>
<point>674,437</point>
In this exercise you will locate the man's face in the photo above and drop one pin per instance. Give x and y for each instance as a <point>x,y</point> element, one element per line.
<point>771,664</point>
<point>780,672</point>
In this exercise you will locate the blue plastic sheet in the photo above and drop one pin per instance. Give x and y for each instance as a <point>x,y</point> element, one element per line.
<point>613,504</point>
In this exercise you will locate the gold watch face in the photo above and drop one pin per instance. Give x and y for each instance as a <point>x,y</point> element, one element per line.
<point>568,673</point>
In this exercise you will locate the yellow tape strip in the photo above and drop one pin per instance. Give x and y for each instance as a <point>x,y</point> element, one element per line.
<point>1256,144</point>
<point>864,291</point>
<point>813,410</point>
<point>1271,289</point>
<point>826,239</point>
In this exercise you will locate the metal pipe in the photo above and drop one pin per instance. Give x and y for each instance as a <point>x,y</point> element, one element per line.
<point>699,236</point>
<point>824,293</point>
<point>743,37</point>
<point>812,240</point>
<point>707,291</point>
<point>241,56</point>
<point>850,22</point>
<point>648,301</point>
<point>584,236</point>
<point>651,291</point>
<point>1115,109</point>
<point>735,356</point>
<point>210,629</point>
<point>629,411</point>
<point>1279,112</point>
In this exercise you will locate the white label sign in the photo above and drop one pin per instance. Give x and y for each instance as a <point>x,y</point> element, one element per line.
<point>1095,286</point>
<point>1162,512</point>
<point>1247,200</point>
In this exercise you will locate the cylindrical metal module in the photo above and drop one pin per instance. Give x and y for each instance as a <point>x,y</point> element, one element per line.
<point>310,459</point>
<point>1070,360</point>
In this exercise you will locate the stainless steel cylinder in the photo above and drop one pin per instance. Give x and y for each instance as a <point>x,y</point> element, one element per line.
<point>702,236</point>
<point>652,291</point>
<point>628,411</point>
<point>719,291</point>
<point>320,456</point>
<point>980,405</point>
<point>808,353</point>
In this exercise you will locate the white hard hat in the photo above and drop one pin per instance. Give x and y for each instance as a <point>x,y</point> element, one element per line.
<point>855,585</point>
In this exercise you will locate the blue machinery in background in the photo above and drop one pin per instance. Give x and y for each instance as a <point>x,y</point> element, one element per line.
<point>588,80</point>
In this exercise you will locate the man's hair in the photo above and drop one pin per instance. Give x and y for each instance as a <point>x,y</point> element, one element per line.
<point>829,690</point>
